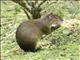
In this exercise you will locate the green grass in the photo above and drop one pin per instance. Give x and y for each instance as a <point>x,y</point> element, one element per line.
<point>56,46</point>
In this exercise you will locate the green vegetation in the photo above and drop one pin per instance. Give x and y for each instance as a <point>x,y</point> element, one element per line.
<point>62,44</point>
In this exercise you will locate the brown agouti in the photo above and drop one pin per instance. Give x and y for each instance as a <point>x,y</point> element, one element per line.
<point>29,32</point>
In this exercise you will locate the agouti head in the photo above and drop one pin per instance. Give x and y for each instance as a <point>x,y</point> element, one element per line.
<point>51,22</point>
<point>55,22</point>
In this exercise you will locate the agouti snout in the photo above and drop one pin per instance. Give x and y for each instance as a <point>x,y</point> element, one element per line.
<point>29,32</point>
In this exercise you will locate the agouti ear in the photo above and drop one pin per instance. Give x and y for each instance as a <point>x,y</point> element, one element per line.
<point>50,13</point>
<point>50,16</point>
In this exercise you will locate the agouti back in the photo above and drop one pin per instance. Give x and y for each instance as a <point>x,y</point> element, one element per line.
<point>29,32</point>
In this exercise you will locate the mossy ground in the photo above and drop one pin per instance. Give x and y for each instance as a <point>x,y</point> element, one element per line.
<point>62,44</point>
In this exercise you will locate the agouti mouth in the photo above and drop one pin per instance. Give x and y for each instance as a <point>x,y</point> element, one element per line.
<point>54,27</point>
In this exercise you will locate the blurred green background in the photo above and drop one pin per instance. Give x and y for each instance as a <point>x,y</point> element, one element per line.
<point>58,45</point>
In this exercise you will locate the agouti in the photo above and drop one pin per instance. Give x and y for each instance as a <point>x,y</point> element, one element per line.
<point>29,32</point>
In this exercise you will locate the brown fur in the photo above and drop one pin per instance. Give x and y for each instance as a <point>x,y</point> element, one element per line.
<point>29,32</point>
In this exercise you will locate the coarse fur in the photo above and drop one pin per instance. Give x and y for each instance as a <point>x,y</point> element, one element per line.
<point>29,32</point>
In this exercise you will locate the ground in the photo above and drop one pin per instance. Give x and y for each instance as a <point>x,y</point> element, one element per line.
<point>61,44</point>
